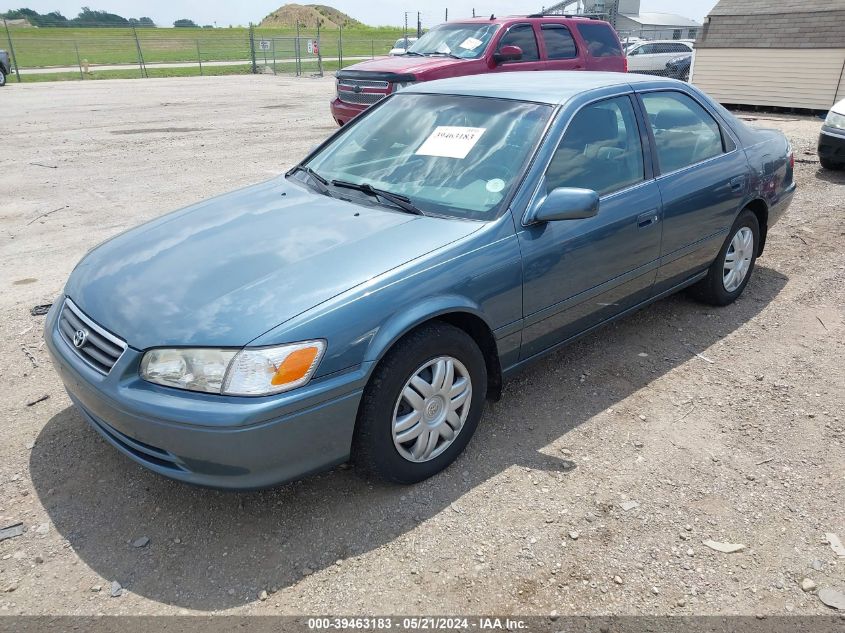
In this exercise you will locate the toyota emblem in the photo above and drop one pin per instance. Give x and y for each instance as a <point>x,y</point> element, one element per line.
<point>79,338</point>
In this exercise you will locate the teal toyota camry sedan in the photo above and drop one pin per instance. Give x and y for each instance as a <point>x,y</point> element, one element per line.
<point>365,304</point>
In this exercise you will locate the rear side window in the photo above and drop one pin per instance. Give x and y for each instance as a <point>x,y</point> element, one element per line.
<point>601,41</point>
<point>601,149</point>
<point>684,132</point>
<point>559,42</point>
<point>522,35</point>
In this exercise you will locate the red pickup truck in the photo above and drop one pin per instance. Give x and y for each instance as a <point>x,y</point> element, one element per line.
<point>481,45</point>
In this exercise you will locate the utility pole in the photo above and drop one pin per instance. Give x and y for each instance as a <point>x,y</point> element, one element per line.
<point>405,34</point>
<point>473,13</point>
<point>447,15</point>
<point>419,26</point>
<point>12,50</point>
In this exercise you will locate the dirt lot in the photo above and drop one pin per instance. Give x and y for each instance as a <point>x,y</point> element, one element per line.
<point>723,424</point>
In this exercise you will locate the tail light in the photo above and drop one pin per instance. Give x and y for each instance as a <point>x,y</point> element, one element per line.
<point>791,158</point>
<point>625,61</point>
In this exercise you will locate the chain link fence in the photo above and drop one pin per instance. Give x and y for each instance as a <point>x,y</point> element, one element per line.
<point>121,52</point>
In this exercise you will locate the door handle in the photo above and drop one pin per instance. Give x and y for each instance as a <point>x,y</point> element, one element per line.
<point>647,219</point>
<point>737,183</point>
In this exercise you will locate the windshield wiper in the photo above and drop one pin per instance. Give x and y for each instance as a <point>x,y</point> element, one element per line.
<point>322,185</point>
<point>400,201</point>
<point>413,53</point>
<point>452,55</point>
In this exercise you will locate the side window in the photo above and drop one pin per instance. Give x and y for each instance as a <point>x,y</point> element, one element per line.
<point>684,132</point>
<point>601,149</point>
<point>559,42</point>
<point>522,35</point>
<point>678,48</point>
<point>601,40</point>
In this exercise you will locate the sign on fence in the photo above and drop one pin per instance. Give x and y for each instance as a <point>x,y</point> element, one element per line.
<point>264,45</point>
<point>313,47</point>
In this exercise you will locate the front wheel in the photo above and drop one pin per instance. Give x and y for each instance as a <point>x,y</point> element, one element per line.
<point>422,405</point>
<point>729,273</point>
<point>2,77</point>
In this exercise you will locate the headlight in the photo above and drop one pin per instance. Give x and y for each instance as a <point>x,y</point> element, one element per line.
<point>401,85</point>
<point>835,120</point>
<point>248,372</point>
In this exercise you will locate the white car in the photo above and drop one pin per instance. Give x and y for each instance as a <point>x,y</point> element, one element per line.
<point>651,57</point>
<point>832,138</point>
<point>402,45</point>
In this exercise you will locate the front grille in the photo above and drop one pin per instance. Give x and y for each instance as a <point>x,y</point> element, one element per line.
<point>353,91</point>
<point>98,348</point>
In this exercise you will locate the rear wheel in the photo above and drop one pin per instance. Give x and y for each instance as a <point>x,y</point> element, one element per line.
<point>422,405</point>
<point>2,77</point>
<point>827,163</point>
<point>730,271</point>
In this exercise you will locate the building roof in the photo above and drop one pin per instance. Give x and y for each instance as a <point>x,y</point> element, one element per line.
<point>774,24</point>
<point>661,19</point>
<point>552,87</point>
<point>775,7</point>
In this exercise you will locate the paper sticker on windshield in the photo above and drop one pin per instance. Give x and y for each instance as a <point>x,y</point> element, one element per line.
<point>470,43</point>
<point>495,185</point>
<point>451,141</point>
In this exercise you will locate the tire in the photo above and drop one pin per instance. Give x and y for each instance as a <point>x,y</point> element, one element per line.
<point>2,77</point>
<point>717,288</point>
<point>833,165</point>
<point>376,449</point>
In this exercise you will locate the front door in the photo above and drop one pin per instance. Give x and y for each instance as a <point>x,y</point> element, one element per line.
<point>578,273</point>
<point>521,35</point>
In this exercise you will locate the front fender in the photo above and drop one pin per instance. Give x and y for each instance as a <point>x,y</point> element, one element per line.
<point>401,323</point>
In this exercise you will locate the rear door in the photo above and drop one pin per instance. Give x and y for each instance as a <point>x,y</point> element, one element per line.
<point>703,178</point>
<point>559,48</point>
<point>522,35</point>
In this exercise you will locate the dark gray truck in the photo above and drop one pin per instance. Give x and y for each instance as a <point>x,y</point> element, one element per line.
<point>5,67</point>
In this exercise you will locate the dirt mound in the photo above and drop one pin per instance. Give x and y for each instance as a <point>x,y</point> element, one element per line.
<point>308,15</point>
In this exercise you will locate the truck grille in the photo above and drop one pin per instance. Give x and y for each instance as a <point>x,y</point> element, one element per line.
<point>361,91</point>
<point>97,347</point>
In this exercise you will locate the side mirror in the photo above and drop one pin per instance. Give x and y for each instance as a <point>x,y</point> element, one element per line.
<point>565,203</point>
<point>508,53</point>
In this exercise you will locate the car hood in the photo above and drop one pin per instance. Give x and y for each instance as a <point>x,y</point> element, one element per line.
<point>839,107</point>
<point>226,270</point>
<point>403,64</point>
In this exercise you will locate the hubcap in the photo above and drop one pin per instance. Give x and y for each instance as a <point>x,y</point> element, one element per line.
<point>431,409</point>
<point>738,259</point>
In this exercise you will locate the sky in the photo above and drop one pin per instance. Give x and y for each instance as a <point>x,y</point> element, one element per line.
<point>373,12</point>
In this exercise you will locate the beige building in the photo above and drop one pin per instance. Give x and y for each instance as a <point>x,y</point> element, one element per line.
<point>773,53</point>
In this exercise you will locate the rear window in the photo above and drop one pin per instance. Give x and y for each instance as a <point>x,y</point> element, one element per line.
<point>601,41</point>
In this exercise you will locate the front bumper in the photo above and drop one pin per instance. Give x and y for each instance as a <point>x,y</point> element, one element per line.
<point>832,144</point>
<point>208,440</point>
<point>344,112</point>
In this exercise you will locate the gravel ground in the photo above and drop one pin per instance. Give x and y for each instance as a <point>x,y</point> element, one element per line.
<point>588,489</point>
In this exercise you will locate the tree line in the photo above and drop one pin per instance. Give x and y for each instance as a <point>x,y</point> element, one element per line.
<point>86,17</point>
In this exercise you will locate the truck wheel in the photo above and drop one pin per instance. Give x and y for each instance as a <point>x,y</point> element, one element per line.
<point>729,273</point>
<point>421,406</point>
<point>833,165</point>
<point>2,77</point>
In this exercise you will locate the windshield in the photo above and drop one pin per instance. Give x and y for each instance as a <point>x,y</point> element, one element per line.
<point>466,41</point>
<point>403,43</point>
<point>449,155</point>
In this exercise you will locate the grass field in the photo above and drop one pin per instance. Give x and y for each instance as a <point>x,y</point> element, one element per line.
<point>47,47</point>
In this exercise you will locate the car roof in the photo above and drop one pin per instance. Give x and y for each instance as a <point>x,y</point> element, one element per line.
<point>521,18</point>
<point>548,86</point>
